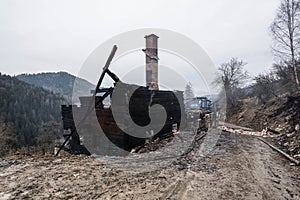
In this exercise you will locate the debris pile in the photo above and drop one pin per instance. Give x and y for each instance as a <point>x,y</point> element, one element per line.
<point>278,118</point>
<point>285,120</point>
<point>290,142</point>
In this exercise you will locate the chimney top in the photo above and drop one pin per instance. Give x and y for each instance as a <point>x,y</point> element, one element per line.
<point>151,35</point>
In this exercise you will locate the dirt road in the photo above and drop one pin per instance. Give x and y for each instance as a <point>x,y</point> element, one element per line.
<point>238,167</point>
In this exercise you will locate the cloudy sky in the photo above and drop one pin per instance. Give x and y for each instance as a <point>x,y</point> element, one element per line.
<point>58,35</point>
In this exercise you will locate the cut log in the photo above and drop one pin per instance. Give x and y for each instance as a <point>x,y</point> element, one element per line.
<point>297,162</point>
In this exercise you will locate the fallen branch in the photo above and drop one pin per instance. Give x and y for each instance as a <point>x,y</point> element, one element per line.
<point>297,162</point>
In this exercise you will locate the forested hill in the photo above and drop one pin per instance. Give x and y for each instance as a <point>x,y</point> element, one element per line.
<point>59,82</point>
<point>27,113</point>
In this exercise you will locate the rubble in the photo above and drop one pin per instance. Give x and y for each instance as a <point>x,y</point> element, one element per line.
<point>279,117</point>
<point>127,111</point>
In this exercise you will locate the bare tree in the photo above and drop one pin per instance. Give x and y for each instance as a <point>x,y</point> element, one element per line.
<point>286,34</point>
<point>231,75</point>
<point>265,87</point>
<point>284,73</point>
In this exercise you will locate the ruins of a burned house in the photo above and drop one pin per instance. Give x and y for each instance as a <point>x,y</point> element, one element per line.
<point>101,134</point>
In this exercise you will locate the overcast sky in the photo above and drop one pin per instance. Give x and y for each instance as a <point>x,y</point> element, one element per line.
<point>58,35</point>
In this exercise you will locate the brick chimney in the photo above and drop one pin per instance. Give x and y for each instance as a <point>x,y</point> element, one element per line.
<point>151,62</point>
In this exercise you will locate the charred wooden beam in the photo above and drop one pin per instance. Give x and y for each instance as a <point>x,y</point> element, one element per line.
<point>105,68</point>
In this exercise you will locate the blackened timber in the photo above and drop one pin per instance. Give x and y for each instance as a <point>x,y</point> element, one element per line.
<point>105,68</point>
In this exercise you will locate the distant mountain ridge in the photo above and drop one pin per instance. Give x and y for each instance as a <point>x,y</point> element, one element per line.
<point>59,82</point>
<point>28,114</point>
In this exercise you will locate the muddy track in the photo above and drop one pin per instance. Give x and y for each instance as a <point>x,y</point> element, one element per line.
<point>245,168</point>
<point>237,167</point>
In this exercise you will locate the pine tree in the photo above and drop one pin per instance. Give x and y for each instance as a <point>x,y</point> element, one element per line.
<point>189,92</point>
